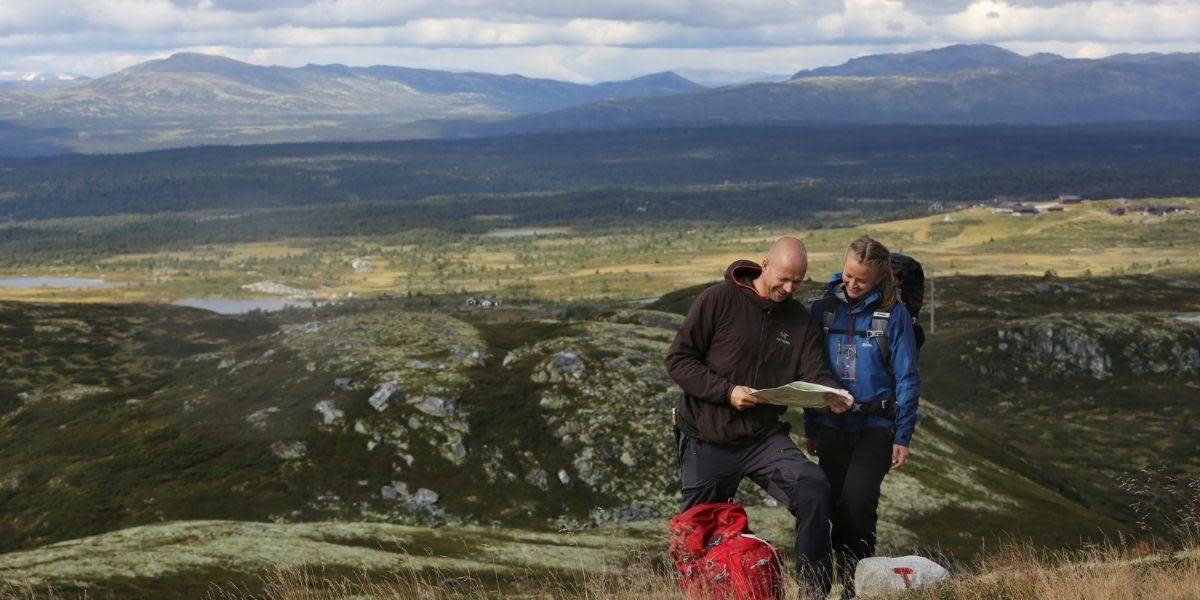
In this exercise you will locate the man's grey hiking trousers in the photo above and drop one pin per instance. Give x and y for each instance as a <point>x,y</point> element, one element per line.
<point>712,472</point>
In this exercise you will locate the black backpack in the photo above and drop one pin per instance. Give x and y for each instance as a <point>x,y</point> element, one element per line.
<point>911,277</point>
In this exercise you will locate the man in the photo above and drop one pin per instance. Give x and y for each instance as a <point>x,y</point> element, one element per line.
<point>747,332</point>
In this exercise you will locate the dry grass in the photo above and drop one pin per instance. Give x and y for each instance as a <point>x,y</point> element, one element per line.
<point>1117,571</point>
<point>1017,573</point>
<point>1021,573</point>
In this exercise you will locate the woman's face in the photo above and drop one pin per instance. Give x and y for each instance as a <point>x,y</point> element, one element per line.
<point>860,280</point>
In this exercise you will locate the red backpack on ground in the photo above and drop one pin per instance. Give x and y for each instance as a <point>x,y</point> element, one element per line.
<point>719,558</point>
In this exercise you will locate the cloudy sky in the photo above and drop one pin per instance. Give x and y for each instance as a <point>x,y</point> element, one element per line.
<point>578,40</point>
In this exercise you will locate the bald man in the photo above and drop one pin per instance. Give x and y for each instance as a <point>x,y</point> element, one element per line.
<point>742,334</point>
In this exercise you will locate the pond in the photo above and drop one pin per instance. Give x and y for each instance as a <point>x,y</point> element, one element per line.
<point>229,306</point>
<point>526,232</point>
<point>63,282</point>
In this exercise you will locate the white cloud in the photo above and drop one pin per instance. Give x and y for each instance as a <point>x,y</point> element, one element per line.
<point>575,39</point>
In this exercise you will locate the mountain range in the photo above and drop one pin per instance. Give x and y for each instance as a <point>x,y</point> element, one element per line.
<point>192,99</point>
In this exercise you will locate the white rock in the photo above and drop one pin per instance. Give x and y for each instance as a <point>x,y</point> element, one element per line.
<point>881,575</point>
<point>329,411</point>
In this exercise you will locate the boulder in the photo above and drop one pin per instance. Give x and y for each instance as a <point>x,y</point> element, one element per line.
<point>425,498</point>
<point>883,576</point>
<point>329,411</point>
<point>458,450</point>
<point>565,365</point>
<point>437,406</point>
<point>398,491</point>
<point>387,395</point>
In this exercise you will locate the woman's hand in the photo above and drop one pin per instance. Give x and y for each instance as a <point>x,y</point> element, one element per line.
<point>899,455</point>
<point>839,403</point>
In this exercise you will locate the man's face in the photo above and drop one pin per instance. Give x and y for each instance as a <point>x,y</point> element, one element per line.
<point>860,280</point>
<point>783,278</point>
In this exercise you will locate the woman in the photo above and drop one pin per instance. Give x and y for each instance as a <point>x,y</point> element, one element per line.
<point>872,352</point>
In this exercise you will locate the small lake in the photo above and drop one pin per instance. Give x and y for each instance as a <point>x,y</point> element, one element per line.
<point>525,232</point>
<point>228,306</point>
<point>56,282</point>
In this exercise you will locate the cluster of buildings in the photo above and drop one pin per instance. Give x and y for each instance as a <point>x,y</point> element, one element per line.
<point>1018,208</point>
<point>1064,200</point>
<point>484,302</point>
<point>1155,210</point>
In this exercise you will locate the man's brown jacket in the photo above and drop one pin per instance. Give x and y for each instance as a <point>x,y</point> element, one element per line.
<point>730,337</point>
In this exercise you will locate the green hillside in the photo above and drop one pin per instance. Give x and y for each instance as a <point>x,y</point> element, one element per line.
<point>534,417</point>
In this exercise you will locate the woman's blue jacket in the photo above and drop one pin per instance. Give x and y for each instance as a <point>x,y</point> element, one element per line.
<point>895,381</point>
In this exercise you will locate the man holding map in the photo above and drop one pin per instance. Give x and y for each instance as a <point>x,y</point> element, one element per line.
<point>740,335</point>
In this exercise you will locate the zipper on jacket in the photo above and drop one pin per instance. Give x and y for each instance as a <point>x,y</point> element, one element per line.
<point>758,353</point>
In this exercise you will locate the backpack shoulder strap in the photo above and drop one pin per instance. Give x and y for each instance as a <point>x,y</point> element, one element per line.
<point>879,328</point>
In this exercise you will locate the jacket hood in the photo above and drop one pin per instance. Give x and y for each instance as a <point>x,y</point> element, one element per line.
<point>742,269</point>
<point>741,272</point>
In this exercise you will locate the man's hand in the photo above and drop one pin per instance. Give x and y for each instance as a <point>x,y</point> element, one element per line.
<point>899,455</point>
<point>810,445</point>
<point>838,403</point>
<point>741,399</point>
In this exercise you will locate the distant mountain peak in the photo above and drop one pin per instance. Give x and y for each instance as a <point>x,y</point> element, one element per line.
<point>663,82</point>
<point>194,62</point>
<point>663,76</point>
<point>971,50</point>
<point>936,61</point>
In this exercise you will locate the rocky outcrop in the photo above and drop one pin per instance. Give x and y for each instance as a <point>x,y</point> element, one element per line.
<point>276,289</point>
<point>563,366</point>
<point>1097,346</point>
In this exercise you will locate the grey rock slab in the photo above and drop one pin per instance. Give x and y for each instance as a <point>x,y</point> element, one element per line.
<point>385,396</point>
<point>437,406</point>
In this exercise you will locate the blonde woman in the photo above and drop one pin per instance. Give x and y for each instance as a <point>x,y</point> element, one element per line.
<point>872,352</point>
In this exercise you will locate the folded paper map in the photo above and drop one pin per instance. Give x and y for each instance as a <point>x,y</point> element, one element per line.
<point>800,394</point>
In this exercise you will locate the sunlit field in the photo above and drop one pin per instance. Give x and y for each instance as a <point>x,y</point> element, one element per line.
<point>558,264</point>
